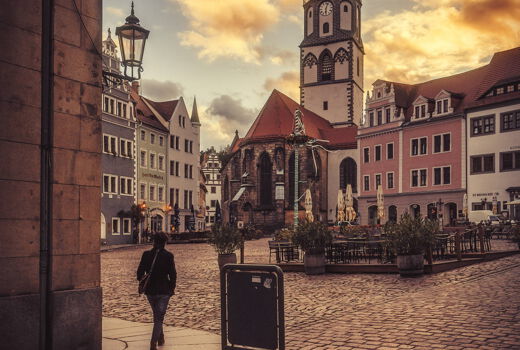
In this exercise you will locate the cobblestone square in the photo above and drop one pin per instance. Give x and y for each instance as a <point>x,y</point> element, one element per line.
<point>475,307</point>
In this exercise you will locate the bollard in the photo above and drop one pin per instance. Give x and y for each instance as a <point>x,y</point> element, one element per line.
<point>457,246</point>
<point>481,238</point>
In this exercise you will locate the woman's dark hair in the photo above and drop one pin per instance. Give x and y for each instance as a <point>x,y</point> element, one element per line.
<point>160,239</point>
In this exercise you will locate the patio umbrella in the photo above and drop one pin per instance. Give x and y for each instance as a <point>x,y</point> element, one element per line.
<point>340,216</point>
<point>308,206</point>
<point>349,203</point>
<point>380,203</point>
<point>465,205</point>
<point>495,205</point>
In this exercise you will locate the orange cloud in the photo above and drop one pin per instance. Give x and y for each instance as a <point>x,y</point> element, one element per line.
<point>287,82</point>
<point>438,38</point>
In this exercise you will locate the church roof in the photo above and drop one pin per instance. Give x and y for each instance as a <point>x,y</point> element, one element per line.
<point>195,112</point>
<point>276,120</point>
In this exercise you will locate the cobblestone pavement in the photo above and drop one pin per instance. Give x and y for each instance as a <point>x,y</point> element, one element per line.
<point>475,307</point>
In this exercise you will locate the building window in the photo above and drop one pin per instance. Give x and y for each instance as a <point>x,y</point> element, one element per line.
<point>143,135</point>
<point>119,111</point>
<point>213,203</point>
<point>110,184</point>
<point>161,140</point>
<point>186,199</point>
<point>387,115</point>
<point>126,186</point>
<point>366,183</point>
<point>442,106</point>
<point>389,180</point>
<point>419,178</point>
<point>325,105</point>
<point>143,159</point>
<point>161,162</point>
<point>124,111</point>
<point>483,125</point>
<point>152,160</point>
<point>110,144</point>
<point>389,151</point>
<point>419,146</point>
<point>366,155</point>
<point>327,67</point>
<point>348,174</point>
<point>191,146</point>
<point>265,180</point>
<point>379,117</point>
<point>177,196</point>
<point>371,118</point>
<point>152,192</point>
<point>142,191</point>
<point>172,167</point>
<point>126,226</point>
<point>482,164</point>
<point>172,141</point>
<point>509,161</point>
<point>378,152</point>
<point>326,28</point>
<point>152,139</point>
<point>115,226</point>
<point>213,189</point>
<point>442,175</point>
<point>378,180</point>
<point>126,148</point>
<point>160,194</point>
<point>510,121</point>
<point>420,111</point>
<point>442,143</point>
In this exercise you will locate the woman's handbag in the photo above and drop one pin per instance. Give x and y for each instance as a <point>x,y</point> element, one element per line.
<point>143,282</point>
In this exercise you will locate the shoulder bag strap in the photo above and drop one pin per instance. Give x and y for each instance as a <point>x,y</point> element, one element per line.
<point>153,262</point>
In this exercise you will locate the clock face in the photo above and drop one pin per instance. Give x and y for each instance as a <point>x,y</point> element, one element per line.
<point>325,8</point>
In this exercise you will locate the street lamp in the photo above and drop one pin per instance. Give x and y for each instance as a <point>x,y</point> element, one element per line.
<point>132,40</point>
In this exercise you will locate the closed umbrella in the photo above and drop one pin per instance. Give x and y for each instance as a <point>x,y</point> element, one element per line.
<point>341,207</point>
<point>380,203</point>
<point>495,205</point>
<point>349,200</point>
<point>308,206</point>
<point>465,205</point>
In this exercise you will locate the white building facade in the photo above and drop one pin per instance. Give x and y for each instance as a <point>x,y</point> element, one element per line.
<point>211,169</point>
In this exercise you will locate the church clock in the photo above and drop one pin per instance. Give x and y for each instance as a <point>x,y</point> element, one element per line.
<point>325,8</point>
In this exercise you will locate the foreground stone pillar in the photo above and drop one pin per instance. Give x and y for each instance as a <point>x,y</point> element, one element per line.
<point>50,95</point>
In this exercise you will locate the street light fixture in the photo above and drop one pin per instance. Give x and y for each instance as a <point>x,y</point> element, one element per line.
<point>132,40</point>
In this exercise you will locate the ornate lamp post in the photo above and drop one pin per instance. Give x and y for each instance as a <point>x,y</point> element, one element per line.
<point>132,40</point>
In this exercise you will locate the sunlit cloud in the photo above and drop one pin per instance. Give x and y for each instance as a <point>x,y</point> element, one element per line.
<point>438,38</point>
<point>117,12</point>
<point>158,90</point>
<point>287,82</point>
<point>233,28</point>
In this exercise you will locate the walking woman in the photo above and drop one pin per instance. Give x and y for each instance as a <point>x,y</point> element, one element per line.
<point>159,263</point>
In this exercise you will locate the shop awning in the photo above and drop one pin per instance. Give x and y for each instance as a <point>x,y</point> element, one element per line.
<point>515,202</point>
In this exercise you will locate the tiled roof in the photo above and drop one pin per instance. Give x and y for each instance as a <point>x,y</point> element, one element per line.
<point>144,114</point>
<point>276,119</point>
<point>165,108</point>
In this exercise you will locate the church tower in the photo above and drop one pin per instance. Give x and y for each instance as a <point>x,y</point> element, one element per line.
<point>331,60</point>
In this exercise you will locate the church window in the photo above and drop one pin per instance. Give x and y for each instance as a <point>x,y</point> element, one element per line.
<point>348,174</point>
<point>325,105</point>
<point>310,14</point>
<point>345,8</point>
<point>326,28</point>
<point>327,67</point>
<point>290,180</point>
<point>266,197</point>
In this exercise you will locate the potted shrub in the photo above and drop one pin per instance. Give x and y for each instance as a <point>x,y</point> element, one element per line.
<point>408,239</point>
<point>312,238</point>
<point>226,239</point>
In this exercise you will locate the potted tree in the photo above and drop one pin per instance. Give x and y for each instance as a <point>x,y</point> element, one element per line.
<point>226,239</point>
<point>408,239</point>
<point>312,238</point>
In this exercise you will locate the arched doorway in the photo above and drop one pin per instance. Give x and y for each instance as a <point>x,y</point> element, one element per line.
<point>157,223</point>
<point>372,215</point>
<point>432,211</point>
<point>103,227</point>
<point>392,213</point>
<point>415,210</point>
<point>348,174</point>
<point>450,213</point>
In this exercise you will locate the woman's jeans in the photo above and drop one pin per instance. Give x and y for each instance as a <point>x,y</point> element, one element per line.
<point>159,304</point>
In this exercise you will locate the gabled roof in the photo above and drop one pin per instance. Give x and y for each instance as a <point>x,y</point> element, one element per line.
<point>276,120</point>
<point>165,108</point>
<point>144,114</point>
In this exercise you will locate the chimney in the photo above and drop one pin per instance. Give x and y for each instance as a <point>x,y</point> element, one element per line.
<point>135,86</point>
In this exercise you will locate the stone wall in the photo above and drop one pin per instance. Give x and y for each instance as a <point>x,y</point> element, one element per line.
<point>74,295</point>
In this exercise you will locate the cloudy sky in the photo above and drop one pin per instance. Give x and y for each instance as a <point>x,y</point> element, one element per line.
<point>232,53</point>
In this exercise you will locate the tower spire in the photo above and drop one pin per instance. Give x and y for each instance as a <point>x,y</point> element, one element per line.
<point>195,112</point>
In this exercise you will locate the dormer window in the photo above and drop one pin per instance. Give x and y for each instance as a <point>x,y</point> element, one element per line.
<point>442,106</point>
<point>420,111</point>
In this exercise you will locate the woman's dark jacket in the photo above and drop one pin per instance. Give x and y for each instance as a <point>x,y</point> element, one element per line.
<point>164,276</point>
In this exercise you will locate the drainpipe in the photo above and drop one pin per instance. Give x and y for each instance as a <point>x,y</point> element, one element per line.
<point>46,174</point>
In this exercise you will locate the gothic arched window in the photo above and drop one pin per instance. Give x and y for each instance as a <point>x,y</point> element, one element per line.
<point>327,67</point>
<point>348,174</point>
<point>236,167</point>
<point>266,183</point>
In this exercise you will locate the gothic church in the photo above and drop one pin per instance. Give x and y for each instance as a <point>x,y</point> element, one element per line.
<point>258,180</point>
